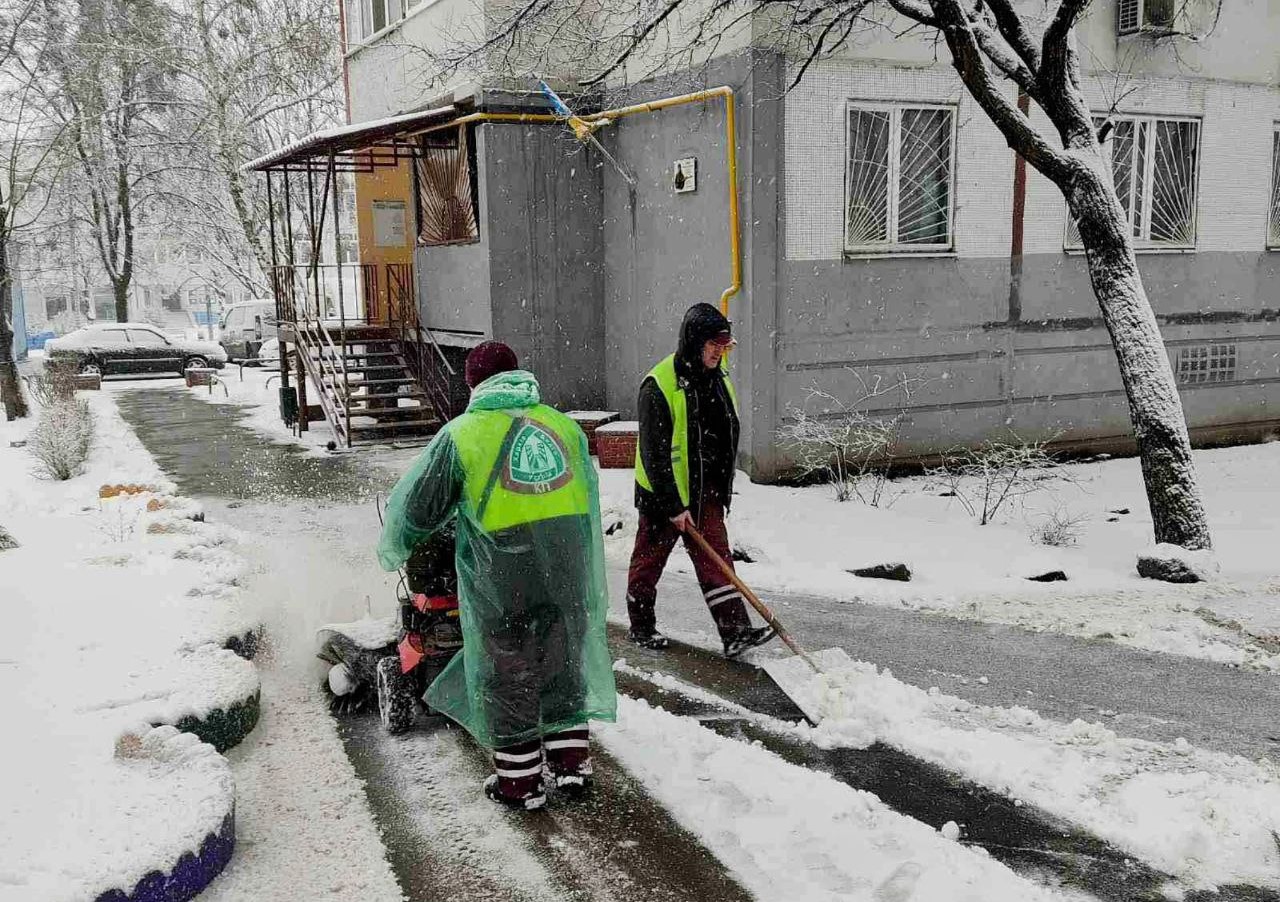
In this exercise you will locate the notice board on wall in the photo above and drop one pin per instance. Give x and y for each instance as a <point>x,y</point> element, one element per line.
<point>389,223</point>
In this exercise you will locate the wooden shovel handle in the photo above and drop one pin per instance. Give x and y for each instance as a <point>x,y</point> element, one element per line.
<point>756,603</point>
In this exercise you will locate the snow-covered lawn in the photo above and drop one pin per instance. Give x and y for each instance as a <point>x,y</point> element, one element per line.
<point>805,542</point>
<point>115,613</point>
<point>114,619</point>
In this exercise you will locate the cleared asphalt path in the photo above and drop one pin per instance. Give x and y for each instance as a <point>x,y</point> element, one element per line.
<point>1139,694</point>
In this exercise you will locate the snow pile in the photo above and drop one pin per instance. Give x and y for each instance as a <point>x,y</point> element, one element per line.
<point>1204,817</point>
<point>804,542</point>
<point>116,605</point>
<point>792,833</point>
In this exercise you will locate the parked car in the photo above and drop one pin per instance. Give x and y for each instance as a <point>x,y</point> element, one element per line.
<point>133,348</point>
<point>245,326</point>
<point>269,354</point>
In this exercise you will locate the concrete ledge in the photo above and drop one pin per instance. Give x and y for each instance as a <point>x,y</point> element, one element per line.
<point>189,875</point>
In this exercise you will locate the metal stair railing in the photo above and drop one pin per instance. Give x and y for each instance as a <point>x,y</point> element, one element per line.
<point>423,364</point>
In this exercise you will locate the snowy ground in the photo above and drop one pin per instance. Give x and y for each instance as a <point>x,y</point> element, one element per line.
<point>114,618</point>
<point>803,541</point>
<point>787,832</point>
<point>257,390</point>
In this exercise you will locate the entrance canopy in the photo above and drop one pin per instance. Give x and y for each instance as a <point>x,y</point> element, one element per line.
<point>361,147</point>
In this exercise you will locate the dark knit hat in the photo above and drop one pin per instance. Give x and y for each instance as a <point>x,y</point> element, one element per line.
<point>487,360</point>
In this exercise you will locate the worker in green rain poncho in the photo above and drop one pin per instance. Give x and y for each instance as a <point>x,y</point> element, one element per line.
<point>535,666</point>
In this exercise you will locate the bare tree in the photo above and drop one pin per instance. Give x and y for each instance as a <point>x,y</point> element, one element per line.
<point>27,141</point>
<point>254,76</point>
<point>109,69</point>
<point>992,44</point>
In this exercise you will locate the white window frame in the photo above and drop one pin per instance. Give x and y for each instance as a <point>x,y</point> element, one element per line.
<point>892,247</point>
<point>1143,242</point>
<point>1273,209</point>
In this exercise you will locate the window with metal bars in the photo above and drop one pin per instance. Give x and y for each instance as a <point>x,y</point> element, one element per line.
<point>1134,16</point>
<point>1155,164</point>
<point>1273,220</point>
<point>1200,364</point>
<point>446,188</point>
<point>899,181</point>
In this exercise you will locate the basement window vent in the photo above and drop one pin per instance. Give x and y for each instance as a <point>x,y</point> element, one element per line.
<point>1200,364</point>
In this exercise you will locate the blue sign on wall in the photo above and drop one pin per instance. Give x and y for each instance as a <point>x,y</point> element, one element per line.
<point>205,317</point>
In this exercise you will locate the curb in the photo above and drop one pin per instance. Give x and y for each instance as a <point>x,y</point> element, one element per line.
<point>190,875</point>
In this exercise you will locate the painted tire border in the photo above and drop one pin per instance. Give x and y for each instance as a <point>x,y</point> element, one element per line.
<point>189,876</point>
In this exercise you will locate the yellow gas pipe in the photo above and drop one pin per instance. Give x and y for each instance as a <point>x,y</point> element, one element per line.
<point>653,106</point>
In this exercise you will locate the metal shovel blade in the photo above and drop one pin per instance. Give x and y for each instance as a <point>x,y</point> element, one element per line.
<point>798,680</point>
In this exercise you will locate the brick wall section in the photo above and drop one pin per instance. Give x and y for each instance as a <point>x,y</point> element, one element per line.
<point>616,444</point>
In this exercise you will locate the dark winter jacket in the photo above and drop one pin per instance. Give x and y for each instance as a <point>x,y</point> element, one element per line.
<point>713,425</point>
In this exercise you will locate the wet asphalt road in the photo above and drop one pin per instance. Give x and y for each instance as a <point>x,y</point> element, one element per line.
<point>1145,695</point>
<point>209,454</point>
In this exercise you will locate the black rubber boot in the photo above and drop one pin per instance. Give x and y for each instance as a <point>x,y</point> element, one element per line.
<point>644,624</point>
<point>747,639</point>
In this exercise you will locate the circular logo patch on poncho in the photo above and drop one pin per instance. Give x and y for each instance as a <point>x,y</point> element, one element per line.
<point>538,462</point>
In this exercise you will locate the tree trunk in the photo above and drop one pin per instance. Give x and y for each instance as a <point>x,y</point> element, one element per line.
<point>1159,425</point>
<point>15,405</point>
<point>120,289</point>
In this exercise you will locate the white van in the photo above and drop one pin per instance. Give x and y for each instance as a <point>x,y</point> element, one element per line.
<point>245,326</point>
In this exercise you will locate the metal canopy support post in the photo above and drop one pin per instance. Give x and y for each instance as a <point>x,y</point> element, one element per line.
<point>342,308</point>
<point>276,286</point>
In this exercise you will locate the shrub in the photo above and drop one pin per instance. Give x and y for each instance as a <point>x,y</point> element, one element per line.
<point>55,383</point>
<point>62,438</point>
<point>1060,529</point>
<point>984,480</point>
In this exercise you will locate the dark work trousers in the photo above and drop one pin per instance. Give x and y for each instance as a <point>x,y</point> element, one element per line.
<point>655,540</point>
<point>519,767</point>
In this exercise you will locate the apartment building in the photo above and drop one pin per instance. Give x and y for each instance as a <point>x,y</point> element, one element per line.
<point>887,234</point>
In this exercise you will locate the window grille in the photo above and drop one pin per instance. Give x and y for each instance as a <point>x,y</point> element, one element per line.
<point>1130,16</point>
<point>1200,364</point>
<point>899,189</point>
<point>1273,221</point>
<point>1155,165</point>
<point>446,189</point>
<point>1134,16</point>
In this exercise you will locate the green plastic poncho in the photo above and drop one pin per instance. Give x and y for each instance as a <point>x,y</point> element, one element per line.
<point>530,558</point>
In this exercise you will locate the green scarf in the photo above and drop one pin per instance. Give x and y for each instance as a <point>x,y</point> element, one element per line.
<point>505,391</point>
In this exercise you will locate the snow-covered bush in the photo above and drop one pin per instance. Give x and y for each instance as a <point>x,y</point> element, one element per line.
<point>55,383</point>
<point>62,438</point>
<point>1060,529</point>
<point>988,478</point>
<point>843,446</point>
<point>7,541</point>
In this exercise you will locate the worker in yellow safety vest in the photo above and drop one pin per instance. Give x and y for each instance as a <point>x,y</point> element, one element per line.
<point>685,461</point>
<point>534,666</point>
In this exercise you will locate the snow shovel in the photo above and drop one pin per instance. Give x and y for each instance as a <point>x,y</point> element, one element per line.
<point>756,603</point>
<point>792,678</point>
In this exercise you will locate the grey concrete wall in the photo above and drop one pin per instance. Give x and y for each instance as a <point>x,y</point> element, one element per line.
<point>944,323</point>
<point>664,252</point>
<point>543,234</point>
